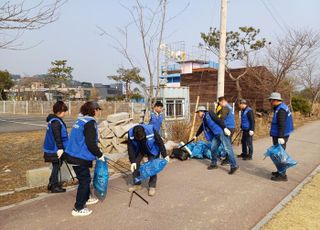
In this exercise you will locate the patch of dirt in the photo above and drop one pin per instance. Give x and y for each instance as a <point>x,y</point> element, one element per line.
<point>303,212</point>
<point>19,152</point>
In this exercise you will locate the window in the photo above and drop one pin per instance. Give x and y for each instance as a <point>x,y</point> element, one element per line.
<point>170,108</point>
<point>174,108</point>
<point>178,107</point>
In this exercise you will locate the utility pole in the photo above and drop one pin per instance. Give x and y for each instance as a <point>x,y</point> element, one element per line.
<point>222,48</point>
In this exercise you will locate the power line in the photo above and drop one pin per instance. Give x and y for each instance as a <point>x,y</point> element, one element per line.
<point>279,16</point>
<point>273,16</point>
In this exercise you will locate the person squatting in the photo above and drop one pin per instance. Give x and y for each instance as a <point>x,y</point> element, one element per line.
<point>80,149</point>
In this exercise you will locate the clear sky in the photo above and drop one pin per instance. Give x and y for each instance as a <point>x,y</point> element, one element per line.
<point>75,36</point>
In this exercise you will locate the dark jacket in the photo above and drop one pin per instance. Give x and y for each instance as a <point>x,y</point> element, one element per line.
<point>90,134</point>
<point>56,128</point>
<point>144,149</point>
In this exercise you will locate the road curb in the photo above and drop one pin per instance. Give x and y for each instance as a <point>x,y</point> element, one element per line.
<point>42,196</point>
<point>286,200</point>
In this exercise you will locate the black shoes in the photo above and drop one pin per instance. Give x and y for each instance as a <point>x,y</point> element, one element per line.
<point>233,170</point>
<point>210,167</point>
<point>279,177</point>
<point>225,161</point>
<point>57,190</point>
<point>247,158</point>
<point>276,176</point>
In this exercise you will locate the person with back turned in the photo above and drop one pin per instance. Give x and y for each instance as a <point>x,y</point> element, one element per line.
<point>81,151</point>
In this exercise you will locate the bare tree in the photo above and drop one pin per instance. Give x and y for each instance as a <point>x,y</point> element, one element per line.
<point>310,79</point>
<point>150,24</point>
<point>15,18</point>
<point>289,54</point>
<point>241,46</point>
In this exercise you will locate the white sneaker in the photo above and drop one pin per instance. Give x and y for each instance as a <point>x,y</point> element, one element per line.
<point>152,191</point>
<point>82,212</point>
<point>92,200</point>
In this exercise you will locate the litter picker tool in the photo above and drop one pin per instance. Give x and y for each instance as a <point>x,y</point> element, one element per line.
<point>134,192</point>
<point>120,170</point>
<point>125,173</point>
<point>186,143</point>
<point>60,176</point>
<point>236,137</point>
<point>117,167</point>
<point>73,179</point>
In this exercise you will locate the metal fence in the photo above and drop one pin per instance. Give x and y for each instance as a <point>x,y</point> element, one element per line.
<point>45,107</point>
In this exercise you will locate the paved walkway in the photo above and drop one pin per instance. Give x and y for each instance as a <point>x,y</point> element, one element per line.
<point>189,196</point>
<point>21,123</point>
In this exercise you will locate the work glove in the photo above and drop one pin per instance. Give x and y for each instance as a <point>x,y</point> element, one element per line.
<point>281,141</point>
<point>59,153</point>
<point>251,133</point>
<point>102,158</point>
<point>167,158</point>
<point>133,167</point>
<point>227,132</point>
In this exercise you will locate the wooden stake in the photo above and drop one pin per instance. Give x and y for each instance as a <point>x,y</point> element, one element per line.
<point>194,119</point>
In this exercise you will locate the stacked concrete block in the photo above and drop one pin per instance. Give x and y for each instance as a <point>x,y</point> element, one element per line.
<point>113,133</point>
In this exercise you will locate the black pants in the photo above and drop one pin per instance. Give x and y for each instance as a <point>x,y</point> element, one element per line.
<point>83,193</point>
<point>275,141</point>
<point>153,179</point>
<point>54,177</point>
<point>246,142</point>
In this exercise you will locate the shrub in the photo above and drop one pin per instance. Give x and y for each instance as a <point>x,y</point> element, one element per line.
<point>179,130</point>
<point>301,104</point>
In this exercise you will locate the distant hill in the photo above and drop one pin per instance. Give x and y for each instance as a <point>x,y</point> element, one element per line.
<point>15,77</point>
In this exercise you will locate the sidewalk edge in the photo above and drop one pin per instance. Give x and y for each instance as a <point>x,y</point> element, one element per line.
<point>285,200</point>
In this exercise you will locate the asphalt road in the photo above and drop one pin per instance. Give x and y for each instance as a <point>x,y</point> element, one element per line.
<point>188,195</point>
<point>19,123</point>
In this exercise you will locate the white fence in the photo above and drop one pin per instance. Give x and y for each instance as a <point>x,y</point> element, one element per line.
<point>45,107</point>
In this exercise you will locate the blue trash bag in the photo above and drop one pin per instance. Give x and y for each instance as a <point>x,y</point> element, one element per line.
<point>280,158</point>
<point>100,179</point>
<point>191,146</point>
<point>220,151</point>
<point>150,168</point>
<point>199,149</point>
<point>207,154</point>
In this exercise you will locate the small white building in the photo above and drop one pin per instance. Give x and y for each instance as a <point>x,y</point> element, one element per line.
<point>176,102</point>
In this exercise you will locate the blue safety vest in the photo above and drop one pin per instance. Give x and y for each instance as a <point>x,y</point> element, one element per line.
<point>229,120</point>
<point>274,123</point>
<point>156,121</point>
<point>245,123</point>
<point>210,128</point>
<point>50,145</point>
<point>77,144</point>
<point>151,142</point>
